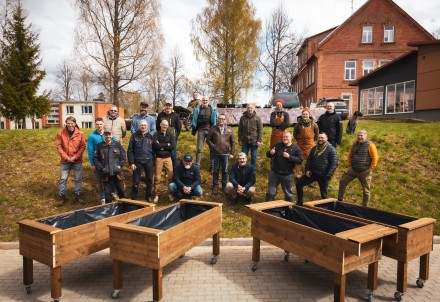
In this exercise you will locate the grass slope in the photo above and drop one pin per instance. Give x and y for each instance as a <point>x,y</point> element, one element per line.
<point>406,180</point>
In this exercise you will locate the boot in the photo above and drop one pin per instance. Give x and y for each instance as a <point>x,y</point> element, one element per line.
<point>62,200</point>
<point>79,199</point>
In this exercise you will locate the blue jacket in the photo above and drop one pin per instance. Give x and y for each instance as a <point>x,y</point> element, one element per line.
<point>136,119</point>
<point>186,177</point>
<point>140,148</point>
<point>323,165</point>
<point>243,176</point>
<point>92,141</point>
<point>196,116</point>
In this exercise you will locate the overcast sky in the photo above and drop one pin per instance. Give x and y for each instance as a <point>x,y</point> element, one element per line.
<point>54,20</point>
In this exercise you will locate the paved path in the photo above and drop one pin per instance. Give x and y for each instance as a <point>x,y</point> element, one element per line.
<point>193,278</point>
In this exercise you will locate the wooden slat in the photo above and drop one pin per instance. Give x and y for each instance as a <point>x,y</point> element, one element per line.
<point>367,233</point>
<point>421,222</point>
<point>209,203</point>
<point>320,201</point>
<point>269,205</point>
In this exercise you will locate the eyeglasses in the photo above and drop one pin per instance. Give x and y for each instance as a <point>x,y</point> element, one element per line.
<point>113,110</point>
<point>221,118</point>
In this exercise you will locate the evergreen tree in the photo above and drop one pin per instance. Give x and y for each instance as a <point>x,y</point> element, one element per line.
<point>20,75</point>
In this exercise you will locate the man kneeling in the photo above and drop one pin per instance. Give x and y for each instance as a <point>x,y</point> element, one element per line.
<point>186,180</point>
<point>241,180</point>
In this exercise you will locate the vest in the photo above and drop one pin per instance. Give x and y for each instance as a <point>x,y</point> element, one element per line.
<point>360,158</point>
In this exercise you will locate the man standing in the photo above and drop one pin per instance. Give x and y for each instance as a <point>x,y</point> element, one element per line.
<point>143,115</point>
<point>362,159</point>
<point>93,140</point>
<point>141,158</point>
<point>194,102</point>
<point>320,166</point>
<point>71,145</point>
<point>241,180</point>
<point>163,145</point>
<point>222,145</point>
<point>331,124</point>
<point>284,156</point>
<point>204,117</point>
<point>250,133</point>
<point>116,123</point>
<point>279,121</point>
<point>186,180</point>
<point>109,157</point>
<point>174,125</point>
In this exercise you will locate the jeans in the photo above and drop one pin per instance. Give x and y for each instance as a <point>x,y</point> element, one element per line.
<point>245,147</point>
<point>172,187</point>
<point>64,174</point>
<point>148,168</point>
<point>100,186</point>
<point>220,160</point>
<point>304,181</point>
<point>286,182</point>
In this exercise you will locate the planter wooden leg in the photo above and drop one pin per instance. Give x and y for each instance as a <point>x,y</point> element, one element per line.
<point>216,244</point>
<point>402,271</point>
<point>424,267</point>
<point>55,282</point>
<point>372,275</point>
<point>28,271</point>
<point>157,284</point>
<point>339,294</point>
<point>117,274</point>
<point>255,250</point>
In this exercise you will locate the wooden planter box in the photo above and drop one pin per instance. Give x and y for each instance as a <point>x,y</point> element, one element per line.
<point>337,244</point>
<point>61,239</point>
<point>159,238</point>
<point>414,236</point>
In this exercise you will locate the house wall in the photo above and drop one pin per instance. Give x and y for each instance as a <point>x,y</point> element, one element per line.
<point>428,77</point>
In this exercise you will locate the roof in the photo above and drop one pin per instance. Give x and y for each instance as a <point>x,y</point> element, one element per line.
<point>424,43</point>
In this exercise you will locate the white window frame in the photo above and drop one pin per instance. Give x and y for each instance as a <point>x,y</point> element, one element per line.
<point>70,109</point>
<point>86,125</point>
<point>368,66</point>
<point>383,62</point>
<point>388,34</point>
<point>403,105</point>
<point>367,34</point>
<point>86,109</point>
<point>350,72</point>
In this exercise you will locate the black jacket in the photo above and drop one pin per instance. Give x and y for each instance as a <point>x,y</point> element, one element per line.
<point>331,124</point>
<point>323,165</point>
<point>175,126</point>
<point>186,177</point>
<point>140,148</point>
<point>107,158</point>
<point>243,176</point>
<point>163,144</point>
<point>282,165</point>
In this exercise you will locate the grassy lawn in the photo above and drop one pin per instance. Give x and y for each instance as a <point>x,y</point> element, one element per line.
<point>406,180</point>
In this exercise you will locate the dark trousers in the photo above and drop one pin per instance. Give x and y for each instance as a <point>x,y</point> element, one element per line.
<point>220,161</point>
<point>113,182</point>
<point>148,169</point>
<point>304,181</point>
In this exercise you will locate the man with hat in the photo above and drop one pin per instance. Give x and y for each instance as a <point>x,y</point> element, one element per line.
<point>279,121</point>
<point>174,125</point>
<point>142,115</point>
<point>186,180</point>
<point>109,158</point>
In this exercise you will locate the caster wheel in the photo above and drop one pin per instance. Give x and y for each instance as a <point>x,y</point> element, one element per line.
<point>420,283</point>
<point>254,267</point>
<point>213,260</point>
<point>286,257</point>
<point>56,300</point>
<point>398,296</point>
<point>28,289</point>
<point>370,296</point>
<point>115,294</point>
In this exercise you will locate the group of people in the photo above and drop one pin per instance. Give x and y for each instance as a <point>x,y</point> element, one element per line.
<point>152,152</point>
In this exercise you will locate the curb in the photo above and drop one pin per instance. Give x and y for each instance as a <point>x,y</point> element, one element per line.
<point>208,242</point>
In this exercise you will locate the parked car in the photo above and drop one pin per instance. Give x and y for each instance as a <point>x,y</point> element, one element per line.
<point>290,99</point>
<point>340,106</point>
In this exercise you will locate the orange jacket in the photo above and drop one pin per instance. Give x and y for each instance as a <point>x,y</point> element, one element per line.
<point>70,146</point>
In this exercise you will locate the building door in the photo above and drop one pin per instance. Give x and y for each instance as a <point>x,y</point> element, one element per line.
<point>348,98</point>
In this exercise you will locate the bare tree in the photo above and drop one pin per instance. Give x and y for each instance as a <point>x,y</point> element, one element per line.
<point>278,47</point>
<point>436,33</point>
<point>85,84</point>
<point>65,78</point>
<point>175,77</point>
<point>121,37</point>
<point>156,83</point>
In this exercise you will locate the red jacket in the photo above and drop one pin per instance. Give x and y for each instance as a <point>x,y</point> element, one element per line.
<point>70,146</point>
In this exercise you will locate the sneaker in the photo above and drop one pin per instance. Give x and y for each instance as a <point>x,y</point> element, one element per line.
<point>214,191</point>
<point>114,196</point>
<point>103,201</point>
<point>79,199</point>
<point>62,200</point>
<point>171,197</point>
<point>156,199</point>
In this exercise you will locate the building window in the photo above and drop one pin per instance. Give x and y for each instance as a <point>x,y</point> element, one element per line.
<point>69,109</point>
<point>2,125</point>
<point>368,67</point>
<point>367,34</point>
<point>372,101</point>
<point>383,62</point>
<point>86,109</point>
<point>350,70</point>
<point>52,122</point>
<point>86,124</point>
<point>400,97</point>
<point>388,34</point>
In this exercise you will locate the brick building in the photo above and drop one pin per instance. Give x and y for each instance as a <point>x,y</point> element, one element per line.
<point>377,33</point>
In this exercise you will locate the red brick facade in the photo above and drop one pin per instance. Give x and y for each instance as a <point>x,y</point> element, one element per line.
<point>322,58</point>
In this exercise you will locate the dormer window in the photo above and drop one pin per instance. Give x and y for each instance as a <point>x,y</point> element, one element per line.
<point>367,34</point>
<point>388,34</point>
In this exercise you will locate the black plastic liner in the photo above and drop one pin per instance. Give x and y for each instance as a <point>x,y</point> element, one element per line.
<point>172,216</point>
<point>388,218</point>
<point>313,219</point>
<point>80,217</point>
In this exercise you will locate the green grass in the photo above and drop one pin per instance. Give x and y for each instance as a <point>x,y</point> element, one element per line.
<point>406,180</point>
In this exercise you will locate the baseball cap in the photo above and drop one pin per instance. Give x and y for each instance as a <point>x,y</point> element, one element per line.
<point>168,102</point>
<point>107,129</point>
<point>188,157</point>
<point>144,104</point>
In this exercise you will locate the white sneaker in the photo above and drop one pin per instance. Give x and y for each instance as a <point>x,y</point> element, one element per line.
<point>156,199</point>
<point>103,201</point>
